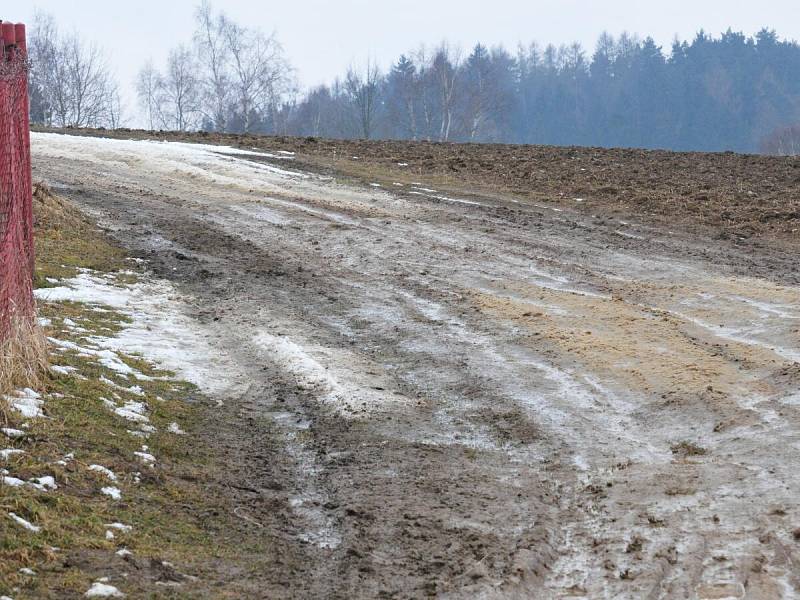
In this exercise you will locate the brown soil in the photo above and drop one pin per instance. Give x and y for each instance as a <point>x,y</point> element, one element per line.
<point>466,393</point>
<point>736,196</point>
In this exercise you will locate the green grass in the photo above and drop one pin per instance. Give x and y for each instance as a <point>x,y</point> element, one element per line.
<point>166,505</point>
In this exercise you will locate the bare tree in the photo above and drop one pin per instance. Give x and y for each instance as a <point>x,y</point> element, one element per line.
<point>402,96</point>
<point>234,78</point>
<point>782,142</point>
<point>362,90</point>
<point>179,92</point>
<point>89,83</point>
<point>261,75</point>
<point>72,79</point>
<point>148,90</point>
<point>444,73</point>
<point>214,58</point>
<point>115,108</point>
<point>428,94</point>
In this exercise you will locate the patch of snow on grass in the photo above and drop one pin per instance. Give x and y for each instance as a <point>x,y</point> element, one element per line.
<point>27,402</point>
<point>158,330</point>
<point>113,492</point>
<point>145,457</point>
<point>133,411</point>
<point>23,523</point>
<point>12,433</point>
<point>8,452</point>
<point>103,470</point>
<point>100,589</point>
<point>62,370</point>
<point>175,428</point>
<point>44,483</point>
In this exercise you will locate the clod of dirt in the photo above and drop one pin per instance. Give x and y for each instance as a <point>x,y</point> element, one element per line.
<point>685,449</point>
<point>635,545</point>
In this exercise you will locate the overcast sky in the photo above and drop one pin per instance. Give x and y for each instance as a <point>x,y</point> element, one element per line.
<point>323,37</point>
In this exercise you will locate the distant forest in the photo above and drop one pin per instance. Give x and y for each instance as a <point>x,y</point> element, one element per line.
<point>728,93</point>
<point>731,92</point>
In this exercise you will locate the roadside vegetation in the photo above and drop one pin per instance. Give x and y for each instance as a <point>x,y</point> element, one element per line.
<point>102,474</point>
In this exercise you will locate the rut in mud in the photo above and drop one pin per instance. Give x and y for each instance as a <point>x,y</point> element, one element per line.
<point>451,395</point>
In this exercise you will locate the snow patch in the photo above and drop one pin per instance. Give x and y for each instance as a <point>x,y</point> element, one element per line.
<point>23,523</point>
<point>62,370</point>
<point>133,411</point>
<point>113,492</point>
<point>175,428</point>
<point>9,452</point>
<point>103,470</point>
<point>145,457</point>
<point>27,402</point>
<point>158,330</point>
<point>44,483</point>
<point>100,589</point>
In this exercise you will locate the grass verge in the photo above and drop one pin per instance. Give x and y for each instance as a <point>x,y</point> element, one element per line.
<point>109,481</point>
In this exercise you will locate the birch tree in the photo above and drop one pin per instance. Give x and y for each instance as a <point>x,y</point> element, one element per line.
<point>180,90</point>
<point>214,59</point>
<point>362,90</point>
<point>72,79</point>
<point>148,89</point>
<point>260,73</point>
<point>444,74</point>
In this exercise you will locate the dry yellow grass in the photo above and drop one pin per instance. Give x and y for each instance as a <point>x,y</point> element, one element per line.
<point>23,352</point>
<point>23,357</point>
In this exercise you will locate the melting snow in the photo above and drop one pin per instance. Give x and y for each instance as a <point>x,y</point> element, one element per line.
<point>5,454</point>
<point>26,524</point>
<point>113,492</point>
<point>100,589</point>
<point>133,411</point>
<point>104,470</point>
<point>40,483</point>
<point>145,457</point>
<point>27,402</point>
<point>158,330</point>
<point>175,428</point>
<point>44,483</point>
<point>62,370</point>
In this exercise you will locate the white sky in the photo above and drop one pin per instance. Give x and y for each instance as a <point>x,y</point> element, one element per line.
<point>323,37</point>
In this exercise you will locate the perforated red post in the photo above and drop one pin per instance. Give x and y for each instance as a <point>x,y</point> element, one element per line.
<point>16,210</point>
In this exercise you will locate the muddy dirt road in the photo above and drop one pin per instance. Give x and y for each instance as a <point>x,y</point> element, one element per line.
<point>452,396</point>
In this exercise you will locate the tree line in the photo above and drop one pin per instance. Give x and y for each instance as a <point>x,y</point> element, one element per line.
<point>732,92</point>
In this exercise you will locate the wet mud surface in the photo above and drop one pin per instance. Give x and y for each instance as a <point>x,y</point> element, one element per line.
<point>469,396</point>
